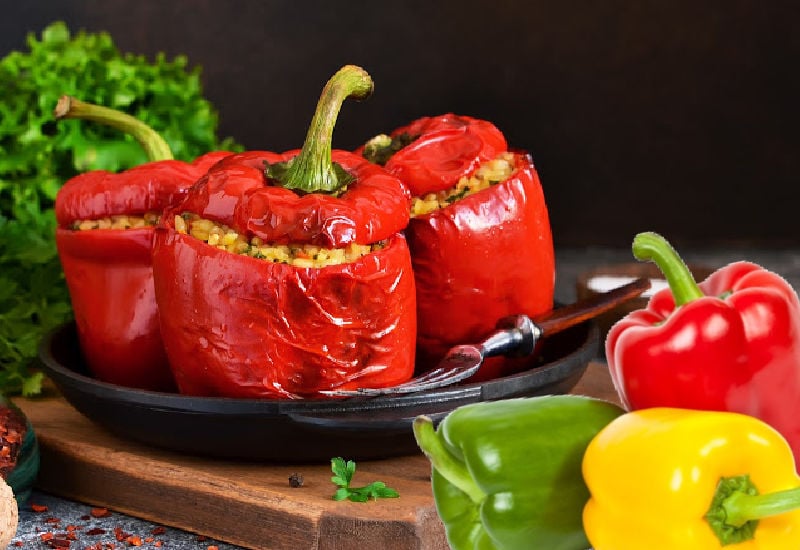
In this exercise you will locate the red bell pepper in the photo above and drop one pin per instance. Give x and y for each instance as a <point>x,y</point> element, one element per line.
<point>108,271</point>
<point>731,343</point>
<point>432,153</point>
<point>238,325</point>
<point>482,257</point>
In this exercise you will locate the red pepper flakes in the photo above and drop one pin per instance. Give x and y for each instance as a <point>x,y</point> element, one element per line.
<point>202,538</point>
<point>57,540</point>
<point>58,543</point>
<point>18,543</point>
<point>119,534</point>
<point>101,546</point>
<point>213,547</point>
<point>13,426</point>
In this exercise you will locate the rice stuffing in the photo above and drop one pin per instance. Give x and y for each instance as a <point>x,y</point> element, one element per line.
<point>117,222</point>
<point>298,255</point>
<point>489,173</point>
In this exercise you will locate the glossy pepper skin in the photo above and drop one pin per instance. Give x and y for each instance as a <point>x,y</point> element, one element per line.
<point>667,478</point>
<point>483,257</point>
<point>507,474</point>
<point>732,343</point>
<point>237,193</point>
<point>109,271</point>
<point>239,326</point>
<point>434,152</point>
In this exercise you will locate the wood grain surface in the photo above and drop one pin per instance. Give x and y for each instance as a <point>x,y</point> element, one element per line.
<point>245,503</point>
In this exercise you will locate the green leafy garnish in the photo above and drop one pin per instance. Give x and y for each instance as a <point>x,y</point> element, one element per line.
<point>38,154</point>
<point>457,196</point>
<point>342,477</point>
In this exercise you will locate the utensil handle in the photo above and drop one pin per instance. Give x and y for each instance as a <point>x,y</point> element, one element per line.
<point>517,335</point>
<point>588,308</point>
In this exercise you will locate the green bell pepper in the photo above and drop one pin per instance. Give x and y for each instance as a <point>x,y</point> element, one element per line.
<point>506,474</point>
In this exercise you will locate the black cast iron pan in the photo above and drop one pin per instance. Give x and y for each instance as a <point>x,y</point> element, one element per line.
<point>296,431</point>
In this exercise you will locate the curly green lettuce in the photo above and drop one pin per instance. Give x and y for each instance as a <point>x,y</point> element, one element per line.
<point>37,155</point>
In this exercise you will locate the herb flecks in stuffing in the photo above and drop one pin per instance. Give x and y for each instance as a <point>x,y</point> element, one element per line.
<point>381,148</point>
<point>488,173</point>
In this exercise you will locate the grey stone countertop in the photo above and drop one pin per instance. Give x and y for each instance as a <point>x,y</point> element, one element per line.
<point>48,521</point>
<point>116,530</point>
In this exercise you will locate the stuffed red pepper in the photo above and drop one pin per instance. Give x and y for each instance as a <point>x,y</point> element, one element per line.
<point>479,233</point>
<point>285,275</point>
<point>104,236</point>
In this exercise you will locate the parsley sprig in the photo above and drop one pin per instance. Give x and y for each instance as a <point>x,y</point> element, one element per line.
<point>343,471</point>
<point>37,155</point>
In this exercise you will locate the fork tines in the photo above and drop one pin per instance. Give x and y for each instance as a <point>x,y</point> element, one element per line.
<point>435,378</point>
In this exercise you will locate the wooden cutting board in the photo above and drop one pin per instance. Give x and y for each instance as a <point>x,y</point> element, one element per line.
<point>244,503</point>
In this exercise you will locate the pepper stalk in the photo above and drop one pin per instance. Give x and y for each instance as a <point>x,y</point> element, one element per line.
<point>443,461</point>
<point>155,147</point>
<point>737,507</point>
<point>653,247</point>
<point>313,170</point>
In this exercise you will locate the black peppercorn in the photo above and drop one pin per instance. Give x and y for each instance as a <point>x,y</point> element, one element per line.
<point>296,480</point>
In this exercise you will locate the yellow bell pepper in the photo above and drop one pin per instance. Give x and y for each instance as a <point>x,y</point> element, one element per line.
<point>669,479</point>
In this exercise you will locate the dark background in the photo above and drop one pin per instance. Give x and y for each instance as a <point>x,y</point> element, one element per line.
<point>674,116</point>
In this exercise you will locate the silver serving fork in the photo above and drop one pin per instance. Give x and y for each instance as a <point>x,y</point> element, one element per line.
<point>516,336</point>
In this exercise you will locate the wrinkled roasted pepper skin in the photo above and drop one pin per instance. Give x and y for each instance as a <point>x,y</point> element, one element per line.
<point>735,349</point>
<point>445,148</point>
<point>523,459</point>
<point>237,194</point>
<point>652,475</point>
<point>109,271</point>
<point>242,327</point>
<point>482,258</point>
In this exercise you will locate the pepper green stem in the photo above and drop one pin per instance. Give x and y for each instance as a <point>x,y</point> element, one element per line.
<point>312,170</point>
<point>741,508</point>
<point>153,144</point>
<point>653,247</point>
<point>443,460</point>
<point>737,507</point>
